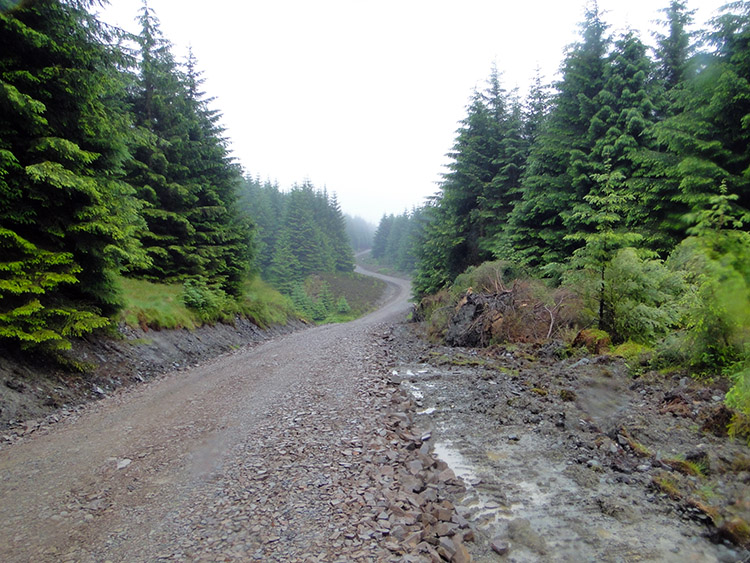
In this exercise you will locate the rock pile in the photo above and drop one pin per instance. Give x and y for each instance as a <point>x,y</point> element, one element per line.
<point>420,521</point>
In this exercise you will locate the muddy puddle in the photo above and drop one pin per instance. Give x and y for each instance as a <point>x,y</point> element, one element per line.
<point>536,486</point>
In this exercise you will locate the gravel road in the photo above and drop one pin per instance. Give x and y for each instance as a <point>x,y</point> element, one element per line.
<point>261,454</point>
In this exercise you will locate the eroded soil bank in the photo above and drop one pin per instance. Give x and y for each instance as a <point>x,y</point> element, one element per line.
<point>576,460</point>
<point>35,394</point>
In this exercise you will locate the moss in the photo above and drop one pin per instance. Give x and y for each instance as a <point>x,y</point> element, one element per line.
<point>510,372</point>
<point>539,391</point>
<point>736,530</point>
<point>567,395</point>
<point>594,340</point>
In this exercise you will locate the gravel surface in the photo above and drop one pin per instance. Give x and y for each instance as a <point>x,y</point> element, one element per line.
<point>298,449</point>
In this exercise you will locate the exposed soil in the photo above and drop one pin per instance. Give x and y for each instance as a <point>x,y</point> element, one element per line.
<point>39,393</point>
<point>576,460</point>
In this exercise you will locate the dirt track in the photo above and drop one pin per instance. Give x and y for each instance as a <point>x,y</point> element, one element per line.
<point>245,457</point>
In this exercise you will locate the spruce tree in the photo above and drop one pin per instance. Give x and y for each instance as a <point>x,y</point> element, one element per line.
<point>160,109</point>
<point>705,138</point>
<point>67,221</point>
<point>551,185</point>
<point>382,234</point>
<point>618,132</point>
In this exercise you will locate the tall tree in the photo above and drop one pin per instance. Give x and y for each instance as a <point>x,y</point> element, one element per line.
<point>183,171</point>
<point>160,106</point>
<point>550,184</point>
<point>618,133</point>
<point>674,48</point>
<point>705,138</point>
<point>67,221</point>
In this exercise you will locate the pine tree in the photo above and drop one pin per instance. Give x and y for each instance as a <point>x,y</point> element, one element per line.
<point>618,132</point>
<point>382,234</point>
<point>603,213</point>
<point>263,204</point>
<point>67,221</point>
<point>223,238</point>
<point>675,48</point>
<point>705,138</point>
<point>300,250</point>
<point>183,171</point>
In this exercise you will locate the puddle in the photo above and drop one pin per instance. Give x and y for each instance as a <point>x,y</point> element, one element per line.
<point>458,463</point>
<point>529,485</point>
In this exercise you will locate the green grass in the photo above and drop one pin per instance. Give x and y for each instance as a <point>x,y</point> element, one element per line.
<point>160,306</point>
<point>264,305</point>
<point>155,305</point>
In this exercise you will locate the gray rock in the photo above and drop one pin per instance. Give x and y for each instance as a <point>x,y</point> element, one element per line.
<point>499,546</point>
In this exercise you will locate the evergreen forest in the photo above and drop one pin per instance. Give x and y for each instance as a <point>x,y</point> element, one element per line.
<point>114,168</point>
<point>626,181</point>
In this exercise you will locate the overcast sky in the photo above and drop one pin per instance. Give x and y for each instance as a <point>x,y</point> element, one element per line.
<point>364,97</point>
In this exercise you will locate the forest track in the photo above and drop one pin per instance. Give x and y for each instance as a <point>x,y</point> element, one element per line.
<point>245,457</point>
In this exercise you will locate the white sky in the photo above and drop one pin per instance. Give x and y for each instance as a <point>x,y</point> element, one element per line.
<point>364,97</point>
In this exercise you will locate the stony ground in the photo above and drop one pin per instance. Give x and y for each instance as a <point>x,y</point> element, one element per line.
<point>298,449</point>
<point>576,459</point>
<point>362,442</point>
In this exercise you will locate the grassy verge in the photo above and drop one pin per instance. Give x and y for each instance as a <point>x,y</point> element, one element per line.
<point>155,305</point>
<point>361,293</point>
<point>161,306</point>
<point>264,305</point>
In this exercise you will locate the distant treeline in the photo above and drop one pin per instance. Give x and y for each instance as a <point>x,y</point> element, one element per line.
<point>298,233</point>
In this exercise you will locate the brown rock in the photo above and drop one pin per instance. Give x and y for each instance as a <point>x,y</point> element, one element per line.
<point>443,514</point>
<point>462,554</point>
<point>446,548</point>
<point>445,529</point>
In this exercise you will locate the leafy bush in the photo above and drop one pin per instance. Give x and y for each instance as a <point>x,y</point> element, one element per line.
<point>716,306</point>
<point>641,298</point>
<point>208,301</point>
<point>489,277</point>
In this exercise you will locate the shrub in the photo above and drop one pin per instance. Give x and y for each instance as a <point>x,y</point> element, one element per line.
<point>342,306</point>
<point>208,301</point>
<point>489,277</point>
<point>641,298</point>
<point>716,306</point>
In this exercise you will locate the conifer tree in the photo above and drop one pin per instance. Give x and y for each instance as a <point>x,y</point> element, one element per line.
<point>674,48</point>
<point>618,132</point>
<point>67,221</point>
<point>160,106</point>
<point>382,234</point>
<point>550,186</point>
<point>705,138</point>
<point>183,171</point>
